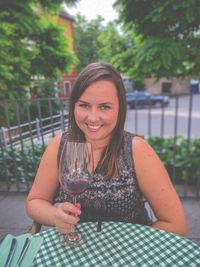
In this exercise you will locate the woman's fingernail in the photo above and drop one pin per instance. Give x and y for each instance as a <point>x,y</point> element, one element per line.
<point>78,206</point>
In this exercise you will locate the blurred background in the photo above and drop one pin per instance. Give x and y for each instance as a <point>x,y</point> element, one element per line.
<point>153,44</point>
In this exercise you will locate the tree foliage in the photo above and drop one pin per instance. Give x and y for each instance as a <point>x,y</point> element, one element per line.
<point>32,44</point>
<point>86,36</point>
<point>113,44</point>
<point>166,37</point>
<point>95,41</point>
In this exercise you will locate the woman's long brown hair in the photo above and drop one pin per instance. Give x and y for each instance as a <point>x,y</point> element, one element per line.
<point>93,72</point>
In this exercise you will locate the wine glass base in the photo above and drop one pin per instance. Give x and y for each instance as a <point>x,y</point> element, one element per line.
<point>73,238</point>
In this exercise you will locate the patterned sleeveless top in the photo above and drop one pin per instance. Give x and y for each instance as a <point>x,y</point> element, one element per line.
<point>118,199</point>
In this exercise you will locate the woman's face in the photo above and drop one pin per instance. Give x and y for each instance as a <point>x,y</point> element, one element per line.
<point>96,111</point>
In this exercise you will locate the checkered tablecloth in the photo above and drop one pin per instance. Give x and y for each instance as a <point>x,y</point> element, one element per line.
<point>118,244</point>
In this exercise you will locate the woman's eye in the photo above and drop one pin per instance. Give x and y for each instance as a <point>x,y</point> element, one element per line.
<point>83,105</point>
<point>104,107</point>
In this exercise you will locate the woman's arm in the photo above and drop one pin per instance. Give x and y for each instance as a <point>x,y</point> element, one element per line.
<point>157,188</point>
<point>39,204</point>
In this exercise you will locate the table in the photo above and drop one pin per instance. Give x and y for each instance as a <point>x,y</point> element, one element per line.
<point>118,244</point>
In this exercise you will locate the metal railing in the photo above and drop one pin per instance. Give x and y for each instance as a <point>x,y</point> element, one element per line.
<point>36,129</point>
<point>28,127</point>
<point>22,143</point>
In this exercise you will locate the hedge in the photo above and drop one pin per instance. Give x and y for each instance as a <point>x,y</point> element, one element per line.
<point>177,152</point>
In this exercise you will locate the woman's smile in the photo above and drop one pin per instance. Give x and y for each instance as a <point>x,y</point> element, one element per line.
<point>93,128</point>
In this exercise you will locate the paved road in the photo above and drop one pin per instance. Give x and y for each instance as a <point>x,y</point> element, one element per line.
<point>157,121</point>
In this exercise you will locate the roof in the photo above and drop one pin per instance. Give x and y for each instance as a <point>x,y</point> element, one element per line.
<point>66,15</point>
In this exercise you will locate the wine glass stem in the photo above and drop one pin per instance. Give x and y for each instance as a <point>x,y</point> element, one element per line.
<point>74,202</point>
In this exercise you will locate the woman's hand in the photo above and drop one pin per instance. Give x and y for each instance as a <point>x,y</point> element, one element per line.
<point>66,216</point>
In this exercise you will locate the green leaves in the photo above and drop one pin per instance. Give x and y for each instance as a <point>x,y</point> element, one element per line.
<point>170,41</point>
<point>113,44</point>
<point>87,40</point>
<point>97,42</point>
<point>181,154</point>
<point>20,165</point>
<point>31,45</point>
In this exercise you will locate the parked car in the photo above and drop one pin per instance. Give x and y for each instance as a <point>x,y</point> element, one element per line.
<point>142,98</point>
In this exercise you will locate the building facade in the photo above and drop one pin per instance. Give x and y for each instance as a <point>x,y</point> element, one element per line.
<point>65,83</point>
<point>172,86</point>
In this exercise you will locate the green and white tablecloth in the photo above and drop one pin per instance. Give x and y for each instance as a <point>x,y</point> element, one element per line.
<point>118,244</point>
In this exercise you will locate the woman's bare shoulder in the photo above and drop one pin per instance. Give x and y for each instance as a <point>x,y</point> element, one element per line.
<point>56,140</point>
<point>139,141</point>
<point>141,148</point>
<point>53,145</point>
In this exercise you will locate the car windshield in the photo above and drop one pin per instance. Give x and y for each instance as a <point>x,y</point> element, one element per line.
<point>138,93</point>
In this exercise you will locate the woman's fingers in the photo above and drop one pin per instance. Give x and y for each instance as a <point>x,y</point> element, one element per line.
<point>71,209</point>
<point>65,229</point>
<point>66,217</point>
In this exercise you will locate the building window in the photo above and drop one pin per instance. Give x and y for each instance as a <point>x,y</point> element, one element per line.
<point>166,87</point>
<point>67,88</point>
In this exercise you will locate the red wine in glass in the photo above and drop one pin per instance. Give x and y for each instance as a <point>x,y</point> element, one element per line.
<point>75,172</point>
<point>77,186</point>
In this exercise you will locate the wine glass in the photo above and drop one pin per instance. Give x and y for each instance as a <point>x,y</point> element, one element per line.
<point>75,172</point>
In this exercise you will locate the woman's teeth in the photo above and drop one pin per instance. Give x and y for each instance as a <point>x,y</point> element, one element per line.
<point>93,127</point>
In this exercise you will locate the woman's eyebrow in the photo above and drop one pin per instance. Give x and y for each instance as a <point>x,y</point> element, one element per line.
<point>106,103</point>
<point>82,101</point>
<point>103,103</point>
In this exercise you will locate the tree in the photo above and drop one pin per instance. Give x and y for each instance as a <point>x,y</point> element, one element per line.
<point>86,36</point>
<point>166,37</point>
<point>97,42</point>
<point>31,45</point>
<point>113,43</point>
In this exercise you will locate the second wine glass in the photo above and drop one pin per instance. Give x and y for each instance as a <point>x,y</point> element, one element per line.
<point>75,172</point>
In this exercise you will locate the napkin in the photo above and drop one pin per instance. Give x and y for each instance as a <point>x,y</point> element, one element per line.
<point>36,242</point>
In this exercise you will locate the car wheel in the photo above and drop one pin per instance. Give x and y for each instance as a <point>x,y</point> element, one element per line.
<point>158,105</point>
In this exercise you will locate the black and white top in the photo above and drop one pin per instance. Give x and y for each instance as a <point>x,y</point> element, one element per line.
<point>118,199</point>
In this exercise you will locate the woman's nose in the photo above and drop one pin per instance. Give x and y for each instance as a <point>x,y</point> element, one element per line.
<point>93,115</point>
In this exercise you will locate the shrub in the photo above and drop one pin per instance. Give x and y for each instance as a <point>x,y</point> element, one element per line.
<point>20,164</point>
<point>180,154</point>
<point>176,153</point>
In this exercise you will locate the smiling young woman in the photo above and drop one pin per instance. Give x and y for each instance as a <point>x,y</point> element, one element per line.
<point>127,169</point>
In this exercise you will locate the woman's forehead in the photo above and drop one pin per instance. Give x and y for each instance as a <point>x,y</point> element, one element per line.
<point>102,89</point>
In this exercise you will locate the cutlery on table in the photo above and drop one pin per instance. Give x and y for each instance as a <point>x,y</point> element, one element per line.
<point>11,252</point>
<point>23,252</point>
